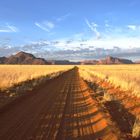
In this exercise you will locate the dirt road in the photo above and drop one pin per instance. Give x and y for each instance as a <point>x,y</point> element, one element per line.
<point>61,110</point>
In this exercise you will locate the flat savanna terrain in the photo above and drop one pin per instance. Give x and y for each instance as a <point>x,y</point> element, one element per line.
<point>70,103</point>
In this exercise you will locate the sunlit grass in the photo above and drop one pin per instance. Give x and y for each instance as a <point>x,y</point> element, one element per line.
<point>14,74</point>
<point>125,76</point>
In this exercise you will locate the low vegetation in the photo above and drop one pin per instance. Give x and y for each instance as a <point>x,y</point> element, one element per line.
<point>124,76</point>
<point>11,75</point>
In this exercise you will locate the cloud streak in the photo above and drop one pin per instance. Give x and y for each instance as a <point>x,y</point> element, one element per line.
<point>8,29</point>
<point>93,27</point>
<point>46,25</point>
<point>63,17</point>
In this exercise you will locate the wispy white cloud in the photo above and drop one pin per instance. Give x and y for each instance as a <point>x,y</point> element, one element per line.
<point>93,27</point>
<point>63,17</point>
<point>132,27</point>
<point>8,28</point>
<point>46,25</point>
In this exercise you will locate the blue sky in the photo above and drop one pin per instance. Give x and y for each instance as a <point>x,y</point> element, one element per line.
<point>40,26</point>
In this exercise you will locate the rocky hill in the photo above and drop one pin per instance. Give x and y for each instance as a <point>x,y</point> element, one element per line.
<point>23,58</point>
<point>114,60</point>
<point>107,61</point>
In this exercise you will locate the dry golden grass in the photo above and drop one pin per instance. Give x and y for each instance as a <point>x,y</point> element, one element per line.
<point>125,76</point>
<point>14,74</point>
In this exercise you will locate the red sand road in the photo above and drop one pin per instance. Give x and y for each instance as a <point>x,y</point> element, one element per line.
<point>61,110</point>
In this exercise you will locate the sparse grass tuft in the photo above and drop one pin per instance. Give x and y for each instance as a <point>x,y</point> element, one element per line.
<point>136,128</point>
<point>109,97</point>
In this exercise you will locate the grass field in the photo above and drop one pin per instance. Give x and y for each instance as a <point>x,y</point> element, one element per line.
<point>14,74</point>
<point>125,76</point>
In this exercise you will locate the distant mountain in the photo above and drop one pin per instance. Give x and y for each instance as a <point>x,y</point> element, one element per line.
<point>2,60</point>
<point>65,62</point>
<point>137,62</point>
<point>115,60</point>
<point>23,58</point>
<point>89,62</point>
<point>107,61</point>
<point>29,59</point>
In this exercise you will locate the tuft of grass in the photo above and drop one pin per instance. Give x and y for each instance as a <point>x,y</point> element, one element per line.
<point>109,97</point>
<point>136,128</point>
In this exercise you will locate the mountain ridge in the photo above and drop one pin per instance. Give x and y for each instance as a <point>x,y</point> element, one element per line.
<point>29,59</point>
<point>23,58</point>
